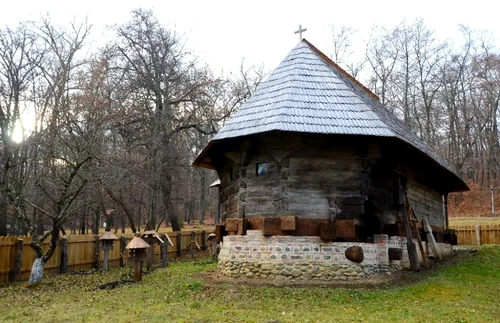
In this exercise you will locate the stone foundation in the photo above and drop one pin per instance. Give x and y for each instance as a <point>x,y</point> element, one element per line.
<point>308,258</point>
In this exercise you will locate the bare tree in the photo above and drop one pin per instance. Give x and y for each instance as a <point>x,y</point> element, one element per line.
<point>19,58</point>
<point>343,50</point>
<point>382,55</point>
<point>58,150</point>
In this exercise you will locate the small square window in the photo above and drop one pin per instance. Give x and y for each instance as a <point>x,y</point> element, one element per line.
<point>261,169</point>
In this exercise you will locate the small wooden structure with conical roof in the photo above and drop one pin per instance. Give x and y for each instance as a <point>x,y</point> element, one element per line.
<point>107,240</point>
<point>151,238</point>
<point>137,248</point>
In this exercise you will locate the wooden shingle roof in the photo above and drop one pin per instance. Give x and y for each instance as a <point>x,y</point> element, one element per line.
<point>309,93</point>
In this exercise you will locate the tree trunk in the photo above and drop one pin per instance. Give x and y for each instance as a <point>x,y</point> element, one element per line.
<point>203,190</point>
<point>37,271</point>
<point>3,217</point>
<point>174,222</point>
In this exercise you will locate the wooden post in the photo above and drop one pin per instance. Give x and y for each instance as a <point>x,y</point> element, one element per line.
<point>105,264</point>
<point>179,244</point>
<point>164,252</point>
<point>150,256</point>
<point>412,250</point>
<point>97,258</point>
<point>212,239</point>
<point>192,244</point>
<point>18,260</point>
<point>137,270</point>
<point>478,235</point>
<point>123,251</point>
<point>204,240</point>
<point>63,268</point>
<point>217,216</point>
<point>214,249</point>
<point>445,210</point>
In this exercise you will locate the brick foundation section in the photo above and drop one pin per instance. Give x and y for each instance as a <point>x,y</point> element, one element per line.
<point>309,258</point>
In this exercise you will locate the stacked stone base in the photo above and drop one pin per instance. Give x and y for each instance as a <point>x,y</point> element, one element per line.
<point>308,258</point>
<point>297,271</point>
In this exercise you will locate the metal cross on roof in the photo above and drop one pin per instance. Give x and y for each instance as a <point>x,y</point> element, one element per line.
<point>300,31</point>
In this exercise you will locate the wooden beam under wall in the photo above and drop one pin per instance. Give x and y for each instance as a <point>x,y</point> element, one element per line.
<point>327,231</point>
<point>345,229</point>
<point>288,223</point>
<point>272,227</point>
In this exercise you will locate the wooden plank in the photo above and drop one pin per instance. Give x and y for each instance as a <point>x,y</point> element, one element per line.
<point>430,238</point>
<point>478,235</point>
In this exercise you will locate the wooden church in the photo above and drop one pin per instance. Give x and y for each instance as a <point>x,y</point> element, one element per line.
<point>314,153</point>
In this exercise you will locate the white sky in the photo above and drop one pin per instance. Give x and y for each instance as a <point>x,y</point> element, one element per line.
<point>223,32</point>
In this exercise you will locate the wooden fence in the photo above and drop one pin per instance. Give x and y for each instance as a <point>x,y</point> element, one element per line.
<point>476,235</point>
<point>83,252</point>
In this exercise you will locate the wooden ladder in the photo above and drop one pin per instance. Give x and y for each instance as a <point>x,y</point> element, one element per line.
<point>410,221</point>
<point>414,227</point>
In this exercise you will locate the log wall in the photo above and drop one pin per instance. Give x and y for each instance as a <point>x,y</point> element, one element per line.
<point>321,177</point>
<point>427,203</point>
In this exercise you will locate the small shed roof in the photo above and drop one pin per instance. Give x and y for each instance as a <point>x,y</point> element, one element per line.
<point>108,236</point>
<point>309,93</point>
<point>137,243</point>
<point>152,234</point>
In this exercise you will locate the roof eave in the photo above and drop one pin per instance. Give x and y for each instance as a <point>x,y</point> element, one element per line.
<point>203,160</point>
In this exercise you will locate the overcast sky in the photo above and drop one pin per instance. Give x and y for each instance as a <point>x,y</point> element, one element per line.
<point>223,32</point>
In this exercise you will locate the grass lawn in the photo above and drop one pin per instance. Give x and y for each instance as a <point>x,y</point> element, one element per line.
<point>467,291</point>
